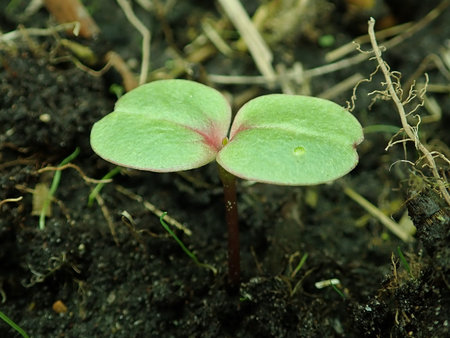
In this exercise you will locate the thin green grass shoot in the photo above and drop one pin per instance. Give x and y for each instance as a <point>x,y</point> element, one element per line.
<point>185,249</point>
<point>11,323</point>
<point>117,90</point>
<point>404,261</point>
<point>296,270</point>
<point>100,186</point>
<point>340,293</point>
<point>54,187</point>
<point>299,265</point>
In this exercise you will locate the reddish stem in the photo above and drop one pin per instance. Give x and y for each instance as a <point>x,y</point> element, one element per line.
<point>231,215</point>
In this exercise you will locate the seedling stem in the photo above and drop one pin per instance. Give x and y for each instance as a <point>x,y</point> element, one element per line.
<point>231,216</point>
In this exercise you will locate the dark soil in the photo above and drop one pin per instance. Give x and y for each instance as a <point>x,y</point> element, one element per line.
<point>130,279</point>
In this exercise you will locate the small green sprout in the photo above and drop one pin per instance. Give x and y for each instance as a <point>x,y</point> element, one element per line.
<point>54,187</point>
<point>181,244</point>
<point>404,262</point>
<point>12,324</point>
<point>299,265</point>
<point>326,40</point>
<point>174,125</point>
<point>339,292</point>
<point>100,186</point>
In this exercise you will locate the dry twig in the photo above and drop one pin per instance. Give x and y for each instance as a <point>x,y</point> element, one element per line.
<point>10,200</point>
<point>348,48</point>
<point>77,168</point>
<point>257,46</point>
<point>410,131</point>
<point>374,211</point>
<point>146,36</point>
<point>407,32</point>
<point>10,36</point>
<point>108,217</point>
<point>73,10</point>
<point>154,209</point>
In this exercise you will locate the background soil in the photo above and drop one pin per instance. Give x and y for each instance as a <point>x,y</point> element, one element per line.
<point>137,282</point>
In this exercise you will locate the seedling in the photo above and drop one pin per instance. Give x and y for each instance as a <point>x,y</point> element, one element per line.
<point>100,186</point>
<point>404,261</point>
<point>181,244</point>
<point>174,125</point>
<point>11,323</point>
<point>54,187</point>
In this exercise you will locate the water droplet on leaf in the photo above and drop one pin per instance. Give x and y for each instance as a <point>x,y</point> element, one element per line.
<point>299,151</point>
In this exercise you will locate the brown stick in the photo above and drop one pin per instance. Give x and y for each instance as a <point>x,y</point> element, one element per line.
<point>70,11</point>
<point>401,111</point>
